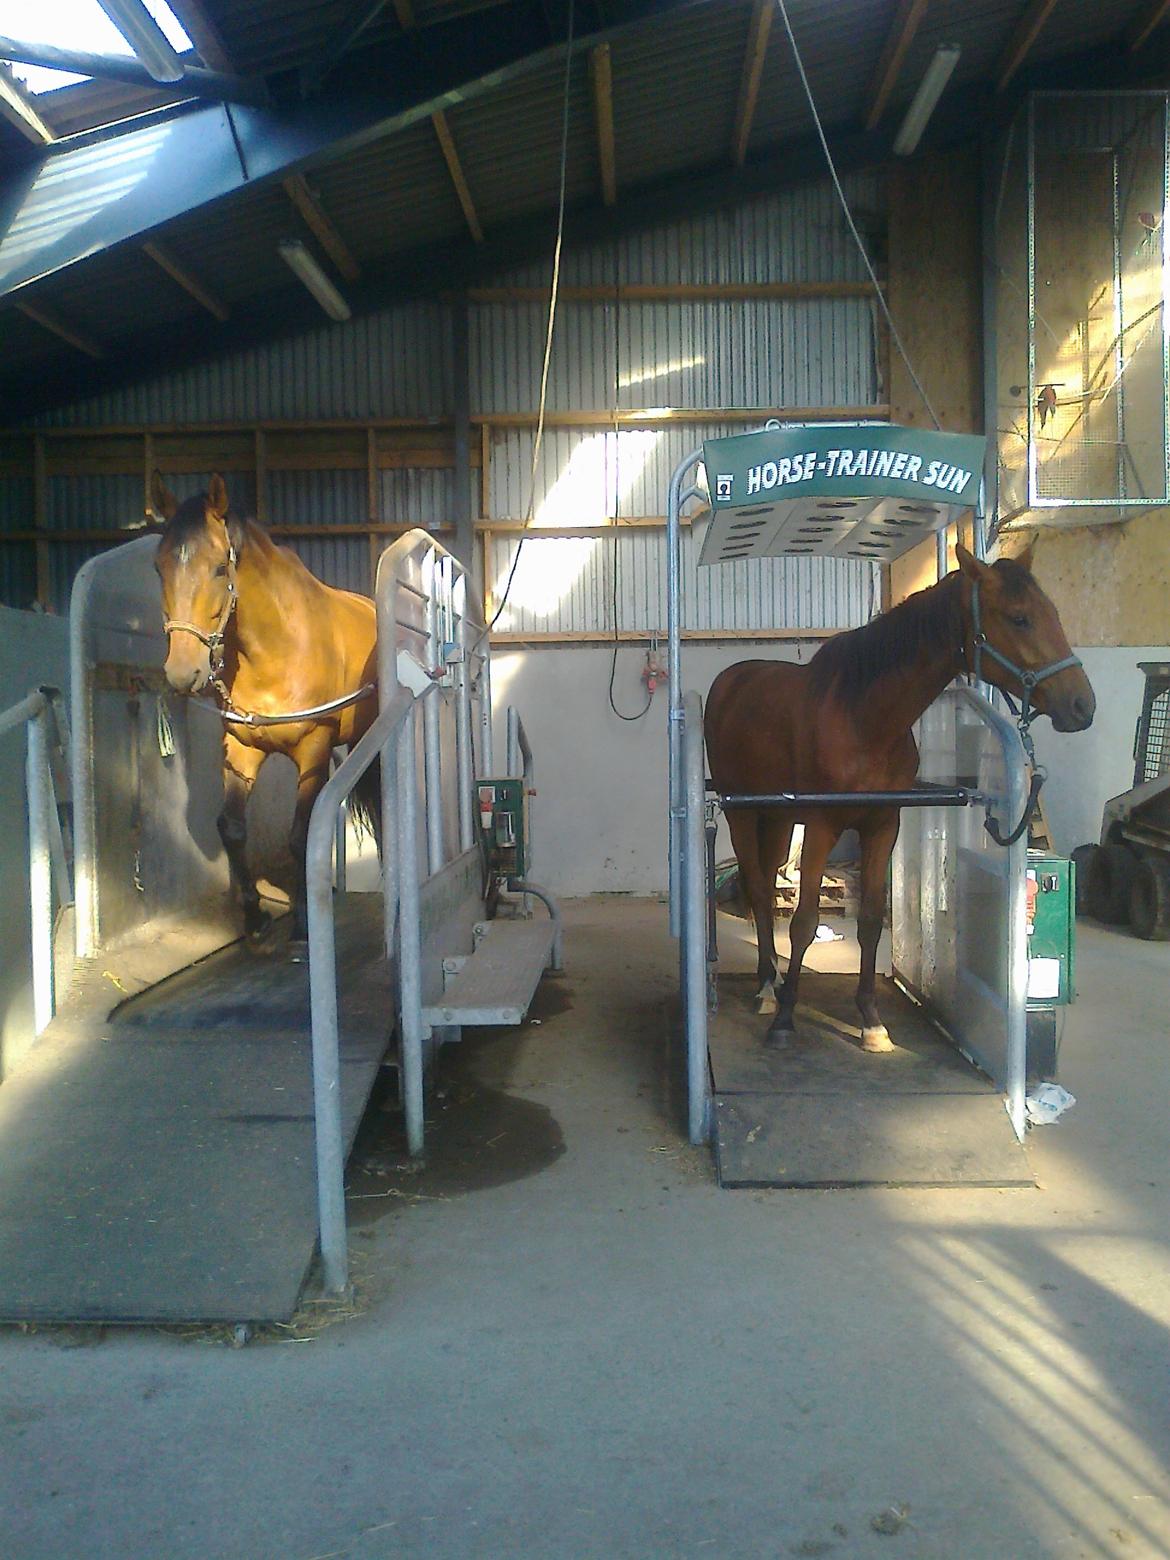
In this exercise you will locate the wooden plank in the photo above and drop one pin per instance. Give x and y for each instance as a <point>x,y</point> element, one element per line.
<point>601,79</point>
<point>1144,23</point>
<point>297,189</point>
<point>889,65</point>
<point>485,470</point>
<point>676,292</point>
<point>1027,31</point>
<point>17,108</point>
<point>664,417</point>
<point>455,169</point>
<point>186,280</point>
<point>753,69</point>
<point>51,321</point>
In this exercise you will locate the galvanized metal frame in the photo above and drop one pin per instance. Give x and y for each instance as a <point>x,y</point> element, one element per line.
<point>1035,500</point>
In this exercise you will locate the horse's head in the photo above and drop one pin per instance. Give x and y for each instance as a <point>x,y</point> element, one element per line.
<point>196,563</point>
<point>1014,639</point>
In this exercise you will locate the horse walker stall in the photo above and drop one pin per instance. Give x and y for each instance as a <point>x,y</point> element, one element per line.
<point>176,1142</point>
<point>821,1112</point>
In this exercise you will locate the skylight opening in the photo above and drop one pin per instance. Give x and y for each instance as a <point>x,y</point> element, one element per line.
<point>80,25</point>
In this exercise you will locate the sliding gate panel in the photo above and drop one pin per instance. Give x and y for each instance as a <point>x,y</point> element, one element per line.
<point>959,930</point>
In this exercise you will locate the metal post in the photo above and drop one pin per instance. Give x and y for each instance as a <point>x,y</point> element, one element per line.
<point>694,922</point>
<point>674,505</point>
<point>81,765</point>
<point>432,742</point>
<point>39,785</point>
<point>464,752</point>
<point>410,1020</point>
<point>486,746</point>
<point>340,841</point>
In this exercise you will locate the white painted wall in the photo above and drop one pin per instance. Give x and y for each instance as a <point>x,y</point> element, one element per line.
<point>34,651</point>
<point>1085,769</point>
<point>600,815</point>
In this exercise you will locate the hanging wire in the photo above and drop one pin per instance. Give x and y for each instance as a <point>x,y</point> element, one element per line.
<point>617,487</point>
<point>885,308</point>
<point>548,340</point>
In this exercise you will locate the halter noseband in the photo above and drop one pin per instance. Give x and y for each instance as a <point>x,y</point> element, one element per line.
<point>215,639</point>
<point>1025,715</point>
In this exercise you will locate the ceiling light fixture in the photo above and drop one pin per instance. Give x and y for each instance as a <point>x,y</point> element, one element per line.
<point>302,263</point>
<point>145,37</point>
<point>930,89</point>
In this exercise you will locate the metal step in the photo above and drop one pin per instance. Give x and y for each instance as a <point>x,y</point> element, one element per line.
<point>495,984</point>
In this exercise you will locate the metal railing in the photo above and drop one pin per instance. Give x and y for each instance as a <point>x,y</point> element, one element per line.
<point>427,640</point>
<point>46,847</point>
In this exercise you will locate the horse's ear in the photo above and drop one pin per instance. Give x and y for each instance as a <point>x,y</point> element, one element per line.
<point>217,497</point>
<point>162,500</point>
<point>970,565</point>
<point>1024,559</point>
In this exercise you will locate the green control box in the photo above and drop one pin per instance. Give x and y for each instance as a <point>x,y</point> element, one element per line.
<point>503,821</point>
<point>1051,930</point>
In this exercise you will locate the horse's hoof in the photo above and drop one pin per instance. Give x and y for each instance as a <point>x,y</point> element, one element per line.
<point>876,1039</point>
<point>766,999</point>
<point>258,934</point>
<point>779,1037</point>
<point>298,950</point>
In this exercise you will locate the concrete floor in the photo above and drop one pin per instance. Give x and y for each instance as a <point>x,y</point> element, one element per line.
<point>572,1343</point>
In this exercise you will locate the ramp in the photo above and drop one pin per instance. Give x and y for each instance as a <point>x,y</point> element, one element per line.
<point>158,1161</point>
<point>822,1112</point>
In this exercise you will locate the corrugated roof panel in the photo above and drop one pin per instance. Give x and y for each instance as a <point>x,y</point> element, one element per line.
<point>839,45</point>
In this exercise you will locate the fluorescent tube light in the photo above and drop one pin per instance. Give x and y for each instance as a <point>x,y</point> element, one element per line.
<point>930,89</point>
<point>145,37</point>
<point>301,261</point>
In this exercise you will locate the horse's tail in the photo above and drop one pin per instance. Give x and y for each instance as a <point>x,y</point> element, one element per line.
<point>365,803</point>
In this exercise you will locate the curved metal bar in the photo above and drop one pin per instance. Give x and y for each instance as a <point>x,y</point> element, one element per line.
<point>675,500</point>
<point>523,886</point>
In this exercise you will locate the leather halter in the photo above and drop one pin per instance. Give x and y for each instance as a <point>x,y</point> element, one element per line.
<point>213,640</point>
<point>1028,679</point>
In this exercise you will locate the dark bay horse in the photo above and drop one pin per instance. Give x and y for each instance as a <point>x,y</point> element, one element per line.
<point>843,723</point>
<point>246,620</point>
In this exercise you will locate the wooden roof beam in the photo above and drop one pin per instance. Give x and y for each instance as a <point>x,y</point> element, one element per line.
<point>204,34</point>
<point>601,77</point>
<point>1144,23</point>
<point>889,66</point>
<point>49,320</point>
<point>455,169</point>
<point>318,223</point>
<point>189,283</point>
<point>753,70</point>
<point>17,107</point>
<point>1028,29</point>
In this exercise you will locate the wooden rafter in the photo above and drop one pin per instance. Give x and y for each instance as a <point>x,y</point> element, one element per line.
<point>889,66</point>
<point>204,34</point>
<point>455,169</point>
<point>1028,29</point>
<point>601,75</point>
<point>331,241</point>
<point>51,321</point>
<point>16,106</point>
<point>404,11</point>
<point>1144,23</point>
<point>753,70</point>
<point>178,272</point>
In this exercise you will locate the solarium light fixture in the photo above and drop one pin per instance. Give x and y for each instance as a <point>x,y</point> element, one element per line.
<point>930,89</point>
<point>302,262</point>
<point>145,37</point>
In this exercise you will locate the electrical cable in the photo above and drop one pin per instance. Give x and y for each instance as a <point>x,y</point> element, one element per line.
<point>552,312</point>
<point>885,308</point>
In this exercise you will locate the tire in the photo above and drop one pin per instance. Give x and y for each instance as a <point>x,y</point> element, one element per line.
<point>1149,899</point>
<point>1111,872</point>
<point>1080,859</point>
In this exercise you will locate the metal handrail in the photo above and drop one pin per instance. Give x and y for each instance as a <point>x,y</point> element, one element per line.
<point>45,846</point>
<point>522,766</point>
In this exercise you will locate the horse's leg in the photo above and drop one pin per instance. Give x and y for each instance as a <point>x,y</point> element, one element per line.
<point>311,757</point>
<point>774,835</point>
<point>876,846</point>
<point>240,767</point>
<point>819,839</point>
<point>745,841</point>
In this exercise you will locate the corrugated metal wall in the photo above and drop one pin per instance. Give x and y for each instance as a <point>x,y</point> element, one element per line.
<point>694,355</point>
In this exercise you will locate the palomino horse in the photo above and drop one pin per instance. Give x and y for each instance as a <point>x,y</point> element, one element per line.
<point>842,723</point>
<point>291,661</point>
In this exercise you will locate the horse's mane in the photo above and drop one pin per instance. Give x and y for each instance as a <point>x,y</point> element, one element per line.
<point>189,521</point>
<point>851,663</point>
